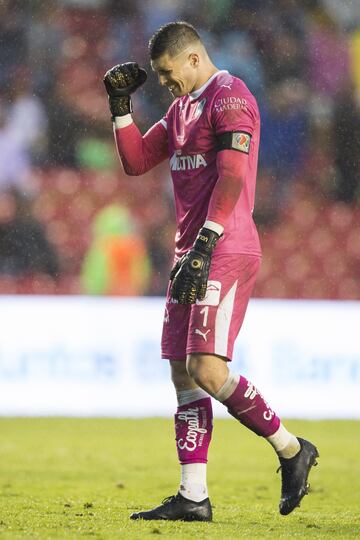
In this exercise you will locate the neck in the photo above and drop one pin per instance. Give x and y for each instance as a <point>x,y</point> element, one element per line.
<point>205,76</point>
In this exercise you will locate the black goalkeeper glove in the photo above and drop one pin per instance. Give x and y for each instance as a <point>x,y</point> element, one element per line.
<point>190,274</point>
<point>121,81</point>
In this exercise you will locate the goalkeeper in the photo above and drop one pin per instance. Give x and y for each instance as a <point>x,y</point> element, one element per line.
<point>210,135</point>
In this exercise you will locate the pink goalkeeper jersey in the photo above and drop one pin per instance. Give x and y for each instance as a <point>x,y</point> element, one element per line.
<point>222,104</point>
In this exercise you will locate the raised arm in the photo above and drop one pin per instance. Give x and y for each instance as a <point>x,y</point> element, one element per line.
<point>137,153</point>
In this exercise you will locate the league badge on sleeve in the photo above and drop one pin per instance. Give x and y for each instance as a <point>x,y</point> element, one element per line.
<point>241,141</point>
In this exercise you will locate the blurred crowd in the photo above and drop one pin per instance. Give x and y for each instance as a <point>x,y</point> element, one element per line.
<point>68,212</point>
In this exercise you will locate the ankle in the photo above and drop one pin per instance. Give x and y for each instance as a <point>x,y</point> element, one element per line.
<point>193,482</point>
<point>285,444</point>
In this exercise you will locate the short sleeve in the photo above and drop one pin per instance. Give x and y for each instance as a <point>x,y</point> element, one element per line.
<point>233,110</point>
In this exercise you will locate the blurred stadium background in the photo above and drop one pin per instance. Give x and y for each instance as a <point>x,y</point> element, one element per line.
<point>85,254</point>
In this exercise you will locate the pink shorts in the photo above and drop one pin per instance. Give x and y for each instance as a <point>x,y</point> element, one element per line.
<point>211,325</point>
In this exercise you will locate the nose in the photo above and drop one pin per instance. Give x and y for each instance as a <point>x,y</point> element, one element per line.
<point>162,80</point>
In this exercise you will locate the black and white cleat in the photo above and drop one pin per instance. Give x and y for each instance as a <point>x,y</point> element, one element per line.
<point>294,476</point>
<point>179,508</point>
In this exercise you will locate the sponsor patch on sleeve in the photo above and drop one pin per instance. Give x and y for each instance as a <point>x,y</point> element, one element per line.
<point>236,140</point>
<point>241,141</point>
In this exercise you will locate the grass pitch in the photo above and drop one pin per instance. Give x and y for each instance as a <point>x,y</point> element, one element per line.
<point>81,478</point>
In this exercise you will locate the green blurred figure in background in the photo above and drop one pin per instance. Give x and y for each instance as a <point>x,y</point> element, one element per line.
<point>117,262</point>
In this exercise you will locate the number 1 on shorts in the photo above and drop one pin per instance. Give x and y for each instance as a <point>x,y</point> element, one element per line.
<point>205,311</point>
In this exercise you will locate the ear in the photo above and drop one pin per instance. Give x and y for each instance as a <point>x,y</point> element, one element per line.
<point>194,60</point>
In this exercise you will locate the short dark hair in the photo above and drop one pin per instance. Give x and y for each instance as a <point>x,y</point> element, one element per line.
<point>172,38</point>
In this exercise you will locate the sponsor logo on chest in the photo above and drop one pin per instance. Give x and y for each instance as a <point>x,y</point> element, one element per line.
<point>230,103</point>
<point>187,163</point>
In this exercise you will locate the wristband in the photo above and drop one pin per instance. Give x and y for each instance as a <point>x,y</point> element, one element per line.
<point>213,226</point>
<point>123,121</point>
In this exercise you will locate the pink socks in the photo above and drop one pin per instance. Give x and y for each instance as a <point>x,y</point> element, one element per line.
<point>193,428</point>
<point>247,405</point>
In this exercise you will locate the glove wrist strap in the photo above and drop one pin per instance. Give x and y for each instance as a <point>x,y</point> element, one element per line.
<point>120,106</point>
<point>206,241</point>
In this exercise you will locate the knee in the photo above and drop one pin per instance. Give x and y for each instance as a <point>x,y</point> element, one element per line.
<point>208,371</point>
<point>197,370</point>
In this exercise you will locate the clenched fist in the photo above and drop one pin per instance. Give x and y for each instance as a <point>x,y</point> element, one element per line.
<point>120,81</point>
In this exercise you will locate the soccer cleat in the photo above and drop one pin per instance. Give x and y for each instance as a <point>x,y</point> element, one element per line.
<point>294,475</point>
<point>177,507</point>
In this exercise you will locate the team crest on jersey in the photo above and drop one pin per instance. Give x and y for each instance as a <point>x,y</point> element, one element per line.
<point>200,107</point>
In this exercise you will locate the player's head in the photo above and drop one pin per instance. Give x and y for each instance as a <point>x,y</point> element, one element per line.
<point>178,56</point>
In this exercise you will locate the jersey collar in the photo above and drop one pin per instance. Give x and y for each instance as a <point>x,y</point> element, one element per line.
<point>194,95</point>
